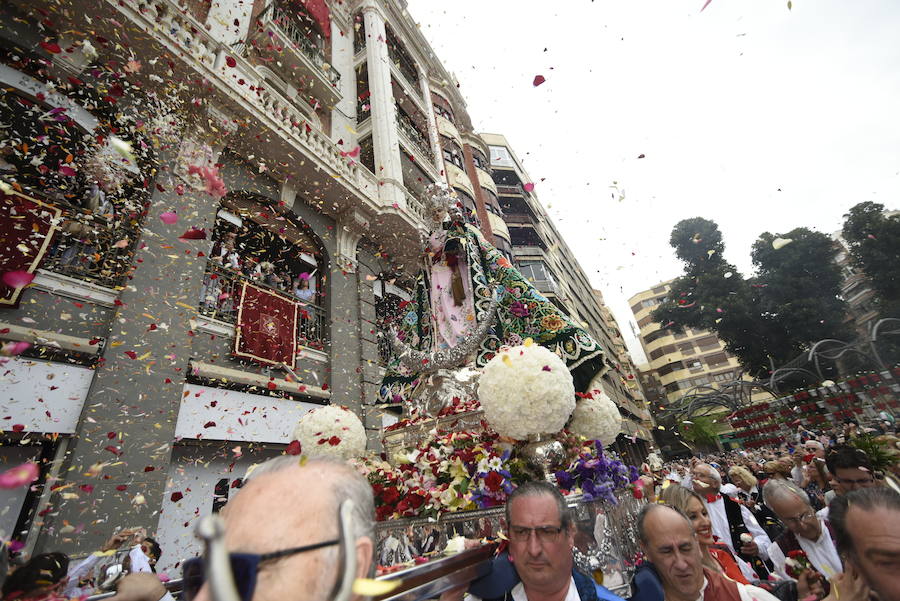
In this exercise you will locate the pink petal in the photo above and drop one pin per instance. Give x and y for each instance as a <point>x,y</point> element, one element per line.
<point>705,4</point>
<point>538,80</point>
<point>304,276</point>
<point>528,187</point>
<point>17,279</point>
<point>67,171</point>
<point>20,475</point>
<point>11,349</point>
<point>169,217</point>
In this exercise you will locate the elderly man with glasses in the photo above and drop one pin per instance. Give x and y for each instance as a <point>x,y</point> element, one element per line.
<point>281,531</point>
<point>805,531</point>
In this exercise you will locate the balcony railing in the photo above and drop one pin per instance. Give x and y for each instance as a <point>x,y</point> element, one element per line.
<point>517,190</point>
<point>221,292</point>
<point>92,247</point>
<point>406,67</point>
<point>286,23</point>
<point>408,127</point>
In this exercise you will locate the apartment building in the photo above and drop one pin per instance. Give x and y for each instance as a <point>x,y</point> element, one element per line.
<point>684,361</point>
<point>157,157</point>
<point>542,255</point>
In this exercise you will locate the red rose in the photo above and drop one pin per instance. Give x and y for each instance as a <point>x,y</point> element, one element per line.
<point>493,481</point>
<point>390,495</point>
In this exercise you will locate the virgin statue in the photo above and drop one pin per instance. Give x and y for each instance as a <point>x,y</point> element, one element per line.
<point>468,302</point>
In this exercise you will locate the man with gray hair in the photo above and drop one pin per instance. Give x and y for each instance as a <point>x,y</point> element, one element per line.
<point>866,525</point>
<point>281,531</point>
<point>805,531</point>
<point>732,523</point>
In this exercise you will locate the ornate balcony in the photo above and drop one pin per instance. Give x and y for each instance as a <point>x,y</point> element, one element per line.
<point>417,138</point>
<point>220,295</point>
<point>279,34</point>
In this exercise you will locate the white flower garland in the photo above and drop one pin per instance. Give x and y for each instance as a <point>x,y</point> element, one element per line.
<point>526,390</point>
<point>597,418</point>
<point>331,431</point>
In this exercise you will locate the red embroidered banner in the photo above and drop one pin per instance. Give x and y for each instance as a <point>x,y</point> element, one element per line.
<point>26,227</point>
<point>266,327</point>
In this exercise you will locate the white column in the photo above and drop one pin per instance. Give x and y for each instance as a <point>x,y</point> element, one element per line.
<point>433,136</point>
<point>385,138</point>
<point>221,18</point>
<point>342,119</point>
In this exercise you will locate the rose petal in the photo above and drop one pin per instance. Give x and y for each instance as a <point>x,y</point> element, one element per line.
<point>20,475</point>
<point>169,217</point>
<point>193,234</point>
<point>17,279</point>
<point>538,80</point>
<point>528,187</point>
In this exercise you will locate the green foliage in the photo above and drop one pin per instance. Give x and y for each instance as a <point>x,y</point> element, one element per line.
<point>874,243</point>
<point>702,431</point>
<point>875,450</point>
<point>792,302</point>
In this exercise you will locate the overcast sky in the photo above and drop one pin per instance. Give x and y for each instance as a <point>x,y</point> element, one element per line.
<point>758,117</point>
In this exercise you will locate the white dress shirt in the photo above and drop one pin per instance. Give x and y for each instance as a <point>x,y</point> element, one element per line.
<point>518,592</point>
<point>821,552</point>
<point>720,528</point>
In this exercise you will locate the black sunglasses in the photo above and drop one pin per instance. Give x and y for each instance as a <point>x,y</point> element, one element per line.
<point>244,567</point>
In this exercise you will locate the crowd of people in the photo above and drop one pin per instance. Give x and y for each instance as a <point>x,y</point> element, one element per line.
<point>738,526</point>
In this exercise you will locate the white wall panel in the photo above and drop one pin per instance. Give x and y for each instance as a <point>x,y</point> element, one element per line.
<point>219,414</point>
<point>42,396</point>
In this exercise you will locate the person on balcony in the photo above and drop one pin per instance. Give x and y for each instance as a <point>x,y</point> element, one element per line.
<point>303,291</point>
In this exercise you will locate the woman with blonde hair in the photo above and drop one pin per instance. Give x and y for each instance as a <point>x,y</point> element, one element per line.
<point>749,494</point>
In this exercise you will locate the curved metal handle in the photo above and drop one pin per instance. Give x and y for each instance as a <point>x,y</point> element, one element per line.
<point>215,559</point>
<point>343,588</point>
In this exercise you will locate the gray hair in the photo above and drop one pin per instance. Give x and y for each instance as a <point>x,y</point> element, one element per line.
<point>864,499</point>
<point>779,489</point>
<point>649,508</point>
<point>346,483</point>
<point>540,488</point>
<point>713,472</point>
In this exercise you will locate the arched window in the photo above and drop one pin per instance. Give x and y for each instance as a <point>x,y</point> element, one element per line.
<point>254,242</point>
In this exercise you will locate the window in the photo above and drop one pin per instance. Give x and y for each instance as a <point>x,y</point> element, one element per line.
<point>645,321</point>
<point>716,359</point>
<point>686,348</point>
<point>452,155</point>
<point>670,367</point>
<point>655,335</point>
<point>479,160</point>
<point>659,290</point>
<point>722,377</point>
<point>443,112</point>
<point>501,157</point>
<point>707,343</point>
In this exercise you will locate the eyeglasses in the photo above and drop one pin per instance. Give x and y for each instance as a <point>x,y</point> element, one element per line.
<point>244,567</point>
<point>545,534</point>
<point>803,517</point>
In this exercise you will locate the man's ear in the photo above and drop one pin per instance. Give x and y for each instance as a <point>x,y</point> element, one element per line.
<point>364,552</point>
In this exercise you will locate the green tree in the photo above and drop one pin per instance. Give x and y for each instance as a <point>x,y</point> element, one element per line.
<point>702,430</point>
<point>791,303</point>
<point>873,239</point>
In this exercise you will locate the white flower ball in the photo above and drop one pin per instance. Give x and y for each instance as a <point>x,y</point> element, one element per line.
<point>526,390</point>
<point>597,418</point>
<point>331,431</point>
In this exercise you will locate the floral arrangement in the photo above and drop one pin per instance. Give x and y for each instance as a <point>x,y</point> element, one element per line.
<point>331,431</point>
<point>526,390</point>
<point>796,563</point>
<point>595,475</point>
<point>456,407</point>
<point>452,472</point>
<point>596,417</point>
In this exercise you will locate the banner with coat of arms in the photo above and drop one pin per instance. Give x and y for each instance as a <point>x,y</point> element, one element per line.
<point>26,228</point>
<point>266,327</point>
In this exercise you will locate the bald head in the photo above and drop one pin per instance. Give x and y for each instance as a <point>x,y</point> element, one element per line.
<point>284,505</point>
<point>668,540</point>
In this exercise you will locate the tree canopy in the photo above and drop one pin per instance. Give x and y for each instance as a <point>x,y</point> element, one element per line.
<point>792,302</point>
<point>873,240</point>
